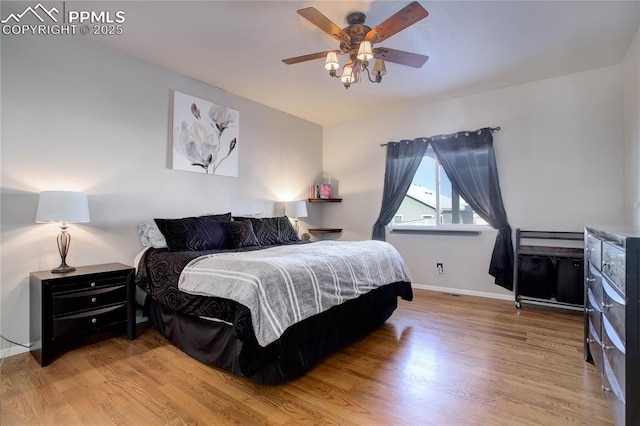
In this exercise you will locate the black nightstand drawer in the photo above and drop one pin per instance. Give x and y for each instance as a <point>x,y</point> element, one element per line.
<point>95,281</point>
<point>69,302</point>
<point>89,320</point>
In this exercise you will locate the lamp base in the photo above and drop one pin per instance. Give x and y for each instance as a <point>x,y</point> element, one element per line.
<point>64,240</point>
<point>63,268</point>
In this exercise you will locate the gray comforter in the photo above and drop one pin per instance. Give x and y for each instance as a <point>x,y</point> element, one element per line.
<point>284,285</point>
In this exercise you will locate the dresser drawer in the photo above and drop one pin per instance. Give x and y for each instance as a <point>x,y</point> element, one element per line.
<point>613,264</point>
<point>593,251</point>
<point>594,314</point>
<point>89,320</point>
<point>614,394</point>
<point>613,308</point>
<point>614,351</point>
<point>69,302</point>
<point>594,283</point>
<point>595,348</point>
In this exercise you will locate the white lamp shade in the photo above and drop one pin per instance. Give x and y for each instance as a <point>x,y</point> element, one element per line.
<point>347,74</point>
<point>364,51</point>
<point>296,209</point>
<point>62,206</point>
<point>331,63</point>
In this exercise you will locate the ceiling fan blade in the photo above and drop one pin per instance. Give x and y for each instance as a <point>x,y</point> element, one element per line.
<point>409,15</point>
<point>304,58</point>
<point>324,23</point>
<point>400,57</point>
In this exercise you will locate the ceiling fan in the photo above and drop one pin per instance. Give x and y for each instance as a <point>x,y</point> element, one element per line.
<point>357,40</point>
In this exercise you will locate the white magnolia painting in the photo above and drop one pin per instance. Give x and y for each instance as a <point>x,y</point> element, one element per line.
<point>205,136</point>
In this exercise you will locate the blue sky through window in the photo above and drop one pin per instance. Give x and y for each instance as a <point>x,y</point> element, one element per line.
<point>426,176</point>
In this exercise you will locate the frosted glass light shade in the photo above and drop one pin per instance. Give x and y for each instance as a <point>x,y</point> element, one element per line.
<point>295,209</point>
<point>379,67</point>
<point>62,206</point>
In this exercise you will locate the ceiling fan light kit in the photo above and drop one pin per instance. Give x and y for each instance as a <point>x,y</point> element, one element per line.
<point>357,40</point>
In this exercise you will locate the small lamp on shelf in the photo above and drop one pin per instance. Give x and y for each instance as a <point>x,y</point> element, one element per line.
<point>296,209</point>
<point>64,207</point>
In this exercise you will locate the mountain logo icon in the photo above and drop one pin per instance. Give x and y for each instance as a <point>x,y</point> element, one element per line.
<point>34,11</point>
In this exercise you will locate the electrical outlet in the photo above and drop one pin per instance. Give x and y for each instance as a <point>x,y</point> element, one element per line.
<point>440,268</point>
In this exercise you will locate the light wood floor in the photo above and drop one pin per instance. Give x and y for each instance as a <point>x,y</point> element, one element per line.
<point>439,360</point>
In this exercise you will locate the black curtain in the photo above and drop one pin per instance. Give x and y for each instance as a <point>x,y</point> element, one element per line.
<point>403,159</point>
<point>469,161</point>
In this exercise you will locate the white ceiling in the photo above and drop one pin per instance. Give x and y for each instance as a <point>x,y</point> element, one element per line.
<point>473,46</point>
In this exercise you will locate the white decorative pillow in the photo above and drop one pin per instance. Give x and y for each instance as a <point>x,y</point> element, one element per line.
<point>150,235</point>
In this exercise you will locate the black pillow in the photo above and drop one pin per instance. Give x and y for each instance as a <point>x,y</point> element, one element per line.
<point>240,234</point>
<point>193,233</point>
<point>273,230</point>
<point>223,217</point>
<point>287,233</point>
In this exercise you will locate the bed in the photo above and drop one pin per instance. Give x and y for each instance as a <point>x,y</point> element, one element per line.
<point>253,299</point>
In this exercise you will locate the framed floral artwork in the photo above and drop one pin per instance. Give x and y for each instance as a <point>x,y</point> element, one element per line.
<point>205,136</point>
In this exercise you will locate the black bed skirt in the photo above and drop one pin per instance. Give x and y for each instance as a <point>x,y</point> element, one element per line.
<point>301,346</point>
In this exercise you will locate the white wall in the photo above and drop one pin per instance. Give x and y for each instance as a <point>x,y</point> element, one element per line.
<point>559,154</point>
<point>77,116</point>
<point>631,98</point>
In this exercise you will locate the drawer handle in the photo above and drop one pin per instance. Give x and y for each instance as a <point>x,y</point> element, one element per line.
<point>93,284</point>
<point>94,300</point>
<point>94,320</point>
<point>591,280</point>
<point>606,264</point>
<point>588,310</point>
<point>607,347</point>
<point>605,389</point>
<point>589,340</point>
<point>605,305</point>
<point>589,250</point>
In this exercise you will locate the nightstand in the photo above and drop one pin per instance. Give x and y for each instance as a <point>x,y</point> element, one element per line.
<point>72,308</point>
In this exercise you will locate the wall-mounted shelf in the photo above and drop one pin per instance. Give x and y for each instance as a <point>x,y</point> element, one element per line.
<point>325,200</point>
<point>322,231</point>
<point>325,230</point>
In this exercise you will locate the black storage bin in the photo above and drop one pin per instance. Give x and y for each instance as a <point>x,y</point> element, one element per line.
<point>569,281</point>
<point>536,276</point>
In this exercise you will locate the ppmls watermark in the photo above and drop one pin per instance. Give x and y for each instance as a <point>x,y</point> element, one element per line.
<point>57,20</point>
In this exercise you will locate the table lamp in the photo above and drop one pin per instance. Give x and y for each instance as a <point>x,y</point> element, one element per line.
<point>296,209</point>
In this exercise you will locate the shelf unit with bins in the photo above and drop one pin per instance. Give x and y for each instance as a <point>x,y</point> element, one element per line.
<point>547,265</point>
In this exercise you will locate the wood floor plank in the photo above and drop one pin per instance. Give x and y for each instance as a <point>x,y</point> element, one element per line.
<point>439,360</point>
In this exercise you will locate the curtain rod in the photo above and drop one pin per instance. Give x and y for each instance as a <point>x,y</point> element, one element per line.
<point>493,129</point>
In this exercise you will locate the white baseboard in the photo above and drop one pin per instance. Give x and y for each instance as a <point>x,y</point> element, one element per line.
<point>464,292</point>
<point>13,350</point>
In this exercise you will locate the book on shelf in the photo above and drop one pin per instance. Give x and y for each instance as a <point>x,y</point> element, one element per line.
<point>314,191</point>
<point>325,190</point>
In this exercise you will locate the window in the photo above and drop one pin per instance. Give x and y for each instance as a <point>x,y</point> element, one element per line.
<point>432,201</point>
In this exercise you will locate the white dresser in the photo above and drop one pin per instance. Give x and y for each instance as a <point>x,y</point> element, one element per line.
<point>612,320</point>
